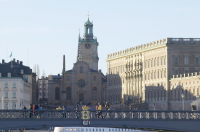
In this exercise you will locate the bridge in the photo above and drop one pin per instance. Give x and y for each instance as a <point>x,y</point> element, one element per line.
<point>143,119</point>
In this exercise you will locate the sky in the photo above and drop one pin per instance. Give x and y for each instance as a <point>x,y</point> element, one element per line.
<point>42,31</point>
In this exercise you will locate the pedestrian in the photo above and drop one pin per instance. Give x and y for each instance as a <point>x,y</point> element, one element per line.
<point>100,112</point>
<point>31,112</point>
<point>64,114</point>
<point>130,108</point>
<point>24,114</point>
<point>97,113</point>
<point>77,108</point>
<point>107,106</point>
<point>40,108</point>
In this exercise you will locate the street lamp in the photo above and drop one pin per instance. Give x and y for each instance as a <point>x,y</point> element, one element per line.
<point>183,100</point>
<point>197,96</point>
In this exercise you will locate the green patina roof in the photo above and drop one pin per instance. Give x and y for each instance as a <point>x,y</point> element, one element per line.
<point>88,23</point>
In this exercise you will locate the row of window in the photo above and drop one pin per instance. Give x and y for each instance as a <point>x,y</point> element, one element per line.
<point>160,74</point>
<point>6,105</point>
<point>186,60</point>
<point>94,78</point>
<point>8,74</point>
<point>6,94</point>
<point>186,71</point>
<point>155,94</point>
<point>176,93</point>
<point>97,129</point>
<point>152,62</point>
<point>6,85</point>
<point>57,93</point>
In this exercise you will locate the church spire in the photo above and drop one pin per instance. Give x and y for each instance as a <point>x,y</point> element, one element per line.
<point>78,52</point>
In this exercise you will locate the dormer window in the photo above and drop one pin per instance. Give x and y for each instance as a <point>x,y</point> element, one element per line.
<point>9,74</point>
<point>22,71</point>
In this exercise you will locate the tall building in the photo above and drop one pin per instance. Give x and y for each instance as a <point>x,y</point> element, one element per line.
<point>143,74</point>
<point>84,83</point>
<point>15,89</point>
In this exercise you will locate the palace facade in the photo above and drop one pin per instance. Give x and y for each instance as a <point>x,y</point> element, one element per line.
<point>144,74</point>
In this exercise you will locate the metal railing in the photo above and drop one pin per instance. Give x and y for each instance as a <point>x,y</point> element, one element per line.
<point>103,114</point>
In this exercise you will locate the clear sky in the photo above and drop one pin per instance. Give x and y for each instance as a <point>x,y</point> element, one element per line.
<point>48,29</point>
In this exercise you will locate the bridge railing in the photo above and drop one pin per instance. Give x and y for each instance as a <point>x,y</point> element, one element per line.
<point>102,114</point>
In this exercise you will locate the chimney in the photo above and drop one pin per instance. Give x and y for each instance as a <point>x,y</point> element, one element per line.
<point>3,61</point>
<point>18,61</point>
<point>14,59</point>
<point>11,64</point>
<point>21,63</point>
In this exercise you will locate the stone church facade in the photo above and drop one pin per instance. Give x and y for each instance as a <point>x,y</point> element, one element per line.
<point>84,83</point>
<point>144,74</point>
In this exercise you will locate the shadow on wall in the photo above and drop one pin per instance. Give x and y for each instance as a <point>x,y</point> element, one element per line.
<point>157,96</point>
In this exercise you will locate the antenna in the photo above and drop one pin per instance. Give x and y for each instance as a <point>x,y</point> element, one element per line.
<point>28,59</point>
<point>7,53</point>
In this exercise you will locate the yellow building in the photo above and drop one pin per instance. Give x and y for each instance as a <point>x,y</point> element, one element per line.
<point>84,83</point>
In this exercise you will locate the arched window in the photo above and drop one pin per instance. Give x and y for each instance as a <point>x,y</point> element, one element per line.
<point>94,93</point>
<point>68,93</point>
<point>57,93</point>
<point>81,69</point>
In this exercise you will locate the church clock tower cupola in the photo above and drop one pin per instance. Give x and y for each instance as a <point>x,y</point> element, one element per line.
<point>88,30</point>
<point>88,47</point>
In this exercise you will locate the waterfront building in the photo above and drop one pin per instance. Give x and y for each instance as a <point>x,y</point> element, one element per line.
<point>84,83</point>
<point>142,74</point>
<point>15,89</point>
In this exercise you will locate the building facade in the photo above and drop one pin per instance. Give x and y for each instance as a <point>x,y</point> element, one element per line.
<point>142,74</point>
<point>43,89</point>
<point>15,91</point>
<point>84,83</point>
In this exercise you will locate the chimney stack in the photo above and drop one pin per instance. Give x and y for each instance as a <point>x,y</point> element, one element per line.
<point>18,61</point>
<point>14,59</point>
<point>3,61</point>
<point>21,63</point>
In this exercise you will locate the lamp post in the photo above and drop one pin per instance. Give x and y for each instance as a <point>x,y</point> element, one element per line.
<point>183,100</point>
<point>197,96</point>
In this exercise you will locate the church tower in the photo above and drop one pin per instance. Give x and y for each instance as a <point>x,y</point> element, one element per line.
<point>88,47</point>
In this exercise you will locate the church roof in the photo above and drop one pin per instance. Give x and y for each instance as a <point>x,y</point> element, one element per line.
<point>104,80</point>
<point>91,70</point>
<point>88,23</point>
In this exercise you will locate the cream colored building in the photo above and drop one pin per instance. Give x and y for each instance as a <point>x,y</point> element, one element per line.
<point>142,74</point>
<point>14,93</point>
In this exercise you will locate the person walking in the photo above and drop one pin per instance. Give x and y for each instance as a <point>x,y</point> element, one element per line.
<point>64,114</point>
<point>31,112</point>
<point>24,113</point>
<point>40,112</point>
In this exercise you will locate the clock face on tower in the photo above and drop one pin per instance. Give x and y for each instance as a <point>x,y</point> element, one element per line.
<point>87,45</point>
